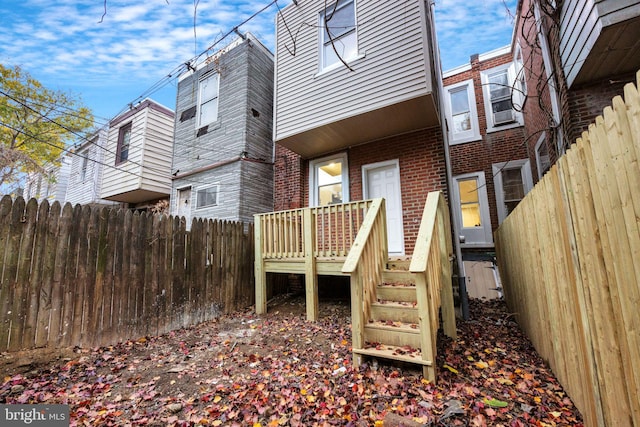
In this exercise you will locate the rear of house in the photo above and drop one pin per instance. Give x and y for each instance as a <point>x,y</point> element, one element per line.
<point>357,109</point>
<point>222,158</point>
<point>139,146</point>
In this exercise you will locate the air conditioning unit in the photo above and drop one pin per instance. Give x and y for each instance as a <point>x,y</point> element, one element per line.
<point>502,117</point>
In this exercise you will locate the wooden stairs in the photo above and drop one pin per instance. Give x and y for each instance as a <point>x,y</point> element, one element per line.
<point>396,307</point>
<point>393,328</point>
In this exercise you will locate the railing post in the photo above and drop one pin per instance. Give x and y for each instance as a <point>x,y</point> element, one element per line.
<point>446,248</point>
<point>260,274</point>
<point>357,316</point>
<point>310,273</point>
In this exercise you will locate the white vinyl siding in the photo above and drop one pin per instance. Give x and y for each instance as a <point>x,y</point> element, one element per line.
<point>305,101</point>
<point>461,112</point>
<point>149,159</point>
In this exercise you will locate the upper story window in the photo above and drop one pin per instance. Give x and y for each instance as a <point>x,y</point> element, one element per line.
<point>208,98</point>
<point>521,78</point>
<point>543,161</point>
<point>329,182</point>
<point>498,89</point>
<point>462,116</point>
<point>124,142</point>
<point>338,33</point>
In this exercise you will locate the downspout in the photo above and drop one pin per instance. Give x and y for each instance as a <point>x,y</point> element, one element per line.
<point>462,284</point>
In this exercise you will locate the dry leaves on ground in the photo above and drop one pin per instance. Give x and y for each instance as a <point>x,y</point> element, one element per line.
<point>279,369</point>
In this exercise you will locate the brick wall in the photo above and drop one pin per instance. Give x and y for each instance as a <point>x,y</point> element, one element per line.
<point>422,169</point>
<point>586,102</point>
<point>494,147</point>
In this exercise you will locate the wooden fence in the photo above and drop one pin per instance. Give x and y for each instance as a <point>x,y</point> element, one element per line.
<point>81,276</point>
<point>569,256</point>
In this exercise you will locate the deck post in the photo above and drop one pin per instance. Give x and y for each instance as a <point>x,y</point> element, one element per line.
<point>446,291</point>
<point>310,270</point>
<point>260,274</point>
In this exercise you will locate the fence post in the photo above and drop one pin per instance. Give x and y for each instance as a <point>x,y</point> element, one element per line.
<point>310,272</point>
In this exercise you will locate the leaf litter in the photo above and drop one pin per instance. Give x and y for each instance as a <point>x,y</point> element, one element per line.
<point>280,370</point>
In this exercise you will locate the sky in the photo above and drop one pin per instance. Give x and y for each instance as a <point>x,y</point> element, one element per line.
<point>112,53</point>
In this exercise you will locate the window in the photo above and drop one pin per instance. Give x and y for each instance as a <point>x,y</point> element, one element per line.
<point>338,30</point>
<point>85,164</point>
<point>497,88</point>
<point>208,96</point>
<point>521,79</point>
<point>207,197</point>
<point>328,181</point>
<point>462,116</point>
<point>124,141</point>
<point>543,161</point>
<point>512,182</point>
<point>472,210</point>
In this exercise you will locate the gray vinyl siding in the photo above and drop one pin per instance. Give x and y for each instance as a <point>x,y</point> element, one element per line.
<point>582,23</point>
<point>392,39</point>
<point>214,157</point>
<point>149,162</point>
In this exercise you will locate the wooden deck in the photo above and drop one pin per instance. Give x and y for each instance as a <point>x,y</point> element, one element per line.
<point>351,240</point>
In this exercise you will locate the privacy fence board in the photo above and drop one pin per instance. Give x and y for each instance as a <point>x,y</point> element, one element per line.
<point>81,276</point>
<point>569,256</point>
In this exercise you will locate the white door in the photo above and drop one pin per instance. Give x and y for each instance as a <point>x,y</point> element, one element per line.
<point>383,180</point>
<point>472,210</point>
<point>184,203</point>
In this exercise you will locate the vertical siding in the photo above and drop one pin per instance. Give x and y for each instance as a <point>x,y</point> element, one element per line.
<point>391,38</point>
<point>246,85</point>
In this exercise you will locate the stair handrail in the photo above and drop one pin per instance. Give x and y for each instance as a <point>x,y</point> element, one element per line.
<point>365,264</point>
<point>431,265</point>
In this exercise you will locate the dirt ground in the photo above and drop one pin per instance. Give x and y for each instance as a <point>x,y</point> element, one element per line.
<point>279,369</point>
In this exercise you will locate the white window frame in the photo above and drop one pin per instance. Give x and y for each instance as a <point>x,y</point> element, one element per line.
<point>509,68</point>
<point>483,200</point>
<point>525,169</point>
<point>551,80</point>
<point>520,78</point>
<point>204,187</point>
<point>215,99</point>
<point>324,41</point>
<point>539,143</point>
<point>472,134</point>
<point>84,165</point>
<point>314,165</point>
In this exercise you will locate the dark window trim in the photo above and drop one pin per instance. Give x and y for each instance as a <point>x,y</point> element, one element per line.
<point>121,133</point>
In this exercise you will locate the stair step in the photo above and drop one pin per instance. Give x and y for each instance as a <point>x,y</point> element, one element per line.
<point>393,333</point>
<point>402,354</point>
<point>405,312</point>
<point>399,263</point>
<point>394,292</point>
<point>398,276</point>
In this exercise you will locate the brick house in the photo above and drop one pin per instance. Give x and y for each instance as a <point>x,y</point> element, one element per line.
<point>357,111</point>
<point>490,168</point>
<point>576,57</point>
<point>222,155</point>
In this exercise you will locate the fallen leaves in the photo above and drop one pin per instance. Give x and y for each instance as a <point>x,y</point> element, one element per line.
<point>280,370</point>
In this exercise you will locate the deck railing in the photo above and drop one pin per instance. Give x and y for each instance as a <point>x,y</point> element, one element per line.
<point>300,238</point>
<point>365,264</point>
<point>334,230</point>
<point>431,265</point>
